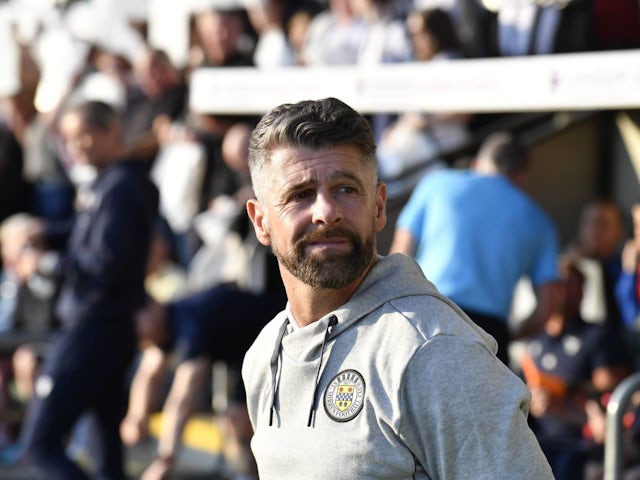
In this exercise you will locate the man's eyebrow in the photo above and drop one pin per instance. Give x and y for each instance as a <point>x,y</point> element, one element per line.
<point>313,182</point>
<point>340,175</point>
<point>295,186</point>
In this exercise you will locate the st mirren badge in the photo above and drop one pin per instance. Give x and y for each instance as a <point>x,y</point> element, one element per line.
<point>344,397</point>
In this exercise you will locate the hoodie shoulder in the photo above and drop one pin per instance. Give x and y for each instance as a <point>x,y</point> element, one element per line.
<point>397,286</point>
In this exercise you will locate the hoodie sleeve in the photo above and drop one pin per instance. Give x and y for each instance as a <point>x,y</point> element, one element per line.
<point>466,414</point>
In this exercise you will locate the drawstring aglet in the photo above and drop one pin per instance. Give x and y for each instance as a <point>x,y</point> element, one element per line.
<point>310,417</point>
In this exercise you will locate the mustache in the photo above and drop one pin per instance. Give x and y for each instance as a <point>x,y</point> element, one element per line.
<point>326,232</point>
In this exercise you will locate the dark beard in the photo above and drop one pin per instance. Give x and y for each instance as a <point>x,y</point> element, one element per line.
<point>329,270</point>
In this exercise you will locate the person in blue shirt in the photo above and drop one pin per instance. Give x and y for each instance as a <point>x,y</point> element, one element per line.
<point>475,233</point>
<point>102,273</point>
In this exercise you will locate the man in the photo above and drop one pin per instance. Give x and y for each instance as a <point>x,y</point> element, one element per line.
<point>368,372</point>
<point>475,233</point>
<point>102,271</point>
<point>158,97</point>
<point>218,33</point>
<point>599,242</point>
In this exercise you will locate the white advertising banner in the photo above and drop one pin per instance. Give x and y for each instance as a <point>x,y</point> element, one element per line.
<point>587,81</point>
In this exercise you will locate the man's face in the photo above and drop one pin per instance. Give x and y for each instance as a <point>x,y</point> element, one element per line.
<point>424,46</point>
<point>601,231</point>
<point>218,33</point>
<point>320,213</point>
<point>86,146</point>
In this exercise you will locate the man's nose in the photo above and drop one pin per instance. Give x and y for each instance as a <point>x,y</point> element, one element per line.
<point>326,209</point>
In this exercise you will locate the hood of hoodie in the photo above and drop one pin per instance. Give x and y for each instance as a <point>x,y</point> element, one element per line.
<point>378,287</point>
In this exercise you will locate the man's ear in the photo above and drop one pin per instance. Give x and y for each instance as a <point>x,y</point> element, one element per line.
<point>257,216</point>
<point>381,206</point>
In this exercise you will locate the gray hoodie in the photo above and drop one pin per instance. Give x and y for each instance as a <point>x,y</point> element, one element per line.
<point>397,383</point>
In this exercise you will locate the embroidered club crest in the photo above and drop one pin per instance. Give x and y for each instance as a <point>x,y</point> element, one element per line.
<point>344,397</point>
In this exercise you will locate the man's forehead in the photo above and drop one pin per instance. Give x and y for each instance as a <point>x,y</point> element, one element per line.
<point>301,153</point>
<point>307,165</point>
<point>71,118</point>
<point>303,160</point>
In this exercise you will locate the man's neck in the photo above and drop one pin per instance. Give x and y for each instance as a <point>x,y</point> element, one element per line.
<point>309,304</point>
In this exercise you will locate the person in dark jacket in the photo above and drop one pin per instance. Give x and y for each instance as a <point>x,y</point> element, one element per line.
<point>102,285</point>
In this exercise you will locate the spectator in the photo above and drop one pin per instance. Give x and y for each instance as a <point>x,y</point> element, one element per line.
<point>272,48</point>
<point>27,305</point>
<point>586,362</point>
<point>334,37</point>
<point>221,227</point>
<point>25,309</point>
<point>102,285</point>
<point>32,304</point>
<point>386,39</point>
<point>433,35</point>
<point>191,172</point>
<point>598,245</point>
<point>179,171</point>
<point>221,39</point>
<point>530,28</point>
<point>367,337</point>
<point>476,233</point>
<point>199,329</point>
<point>474,23</point>
<point>26,317</point>
<point>419,139</point>
<point>297,31</point>
<point>158,96</point>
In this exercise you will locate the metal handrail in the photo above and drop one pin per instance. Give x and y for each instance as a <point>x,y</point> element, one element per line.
<point>616,408</point>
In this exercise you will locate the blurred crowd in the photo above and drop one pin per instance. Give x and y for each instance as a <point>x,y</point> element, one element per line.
<point>204,263</point>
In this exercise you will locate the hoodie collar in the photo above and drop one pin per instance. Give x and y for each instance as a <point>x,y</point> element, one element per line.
<point>381,286</point>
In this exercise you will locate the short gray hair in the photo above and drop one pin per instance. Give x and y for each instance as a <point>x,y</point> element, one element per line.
<point>325,123</point>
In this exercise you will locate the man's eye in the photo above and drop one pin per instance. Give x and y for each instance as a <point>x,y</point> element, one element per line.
<point>298,196</point>
<point>347,189</point>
